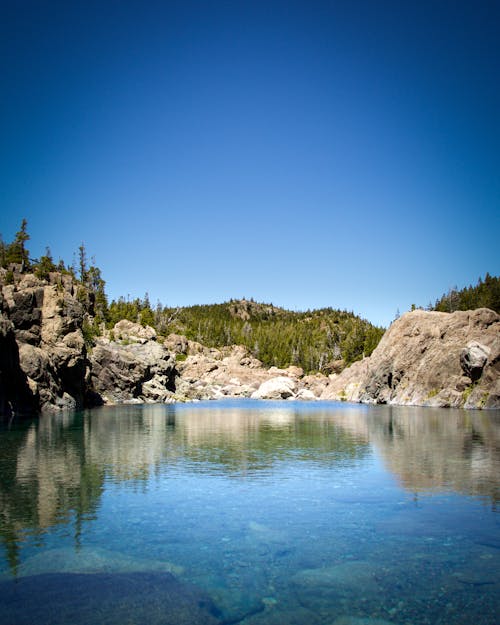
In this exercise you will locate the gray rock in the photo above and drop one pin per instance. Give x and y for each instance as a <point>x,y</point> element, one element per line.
<point>473,358</point>
<point>46,361</point>
<point>155,598</point>
<point>126,330</point>
<point>421,361</point>
<point>136,371</point>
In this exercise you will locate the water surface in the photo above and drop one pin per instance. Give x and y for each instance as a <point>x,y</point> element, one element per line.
<point>251,512</point>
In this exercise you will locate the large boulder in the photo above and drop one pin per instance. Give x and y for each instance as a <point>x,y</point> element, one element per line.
<point>429,359</point>
<point>125,371</point>
<point>281,387</point>
<point>473,357</point>
<point>126,330</point>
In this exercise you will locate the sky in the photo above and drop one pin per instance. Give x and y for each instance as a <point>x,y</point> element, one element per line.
<point>304,153</point>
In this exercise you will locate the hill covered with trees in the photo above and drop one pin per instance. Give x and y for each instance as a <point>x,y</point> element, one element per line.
<point>313,340</point>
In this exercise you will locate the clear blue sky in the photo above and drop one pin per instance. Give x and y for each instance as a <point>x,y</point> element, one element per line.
<point>308,154</point>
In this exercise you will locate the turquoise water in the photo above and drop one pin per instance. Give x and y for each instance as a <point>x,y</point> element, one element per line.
<point>251,512</point>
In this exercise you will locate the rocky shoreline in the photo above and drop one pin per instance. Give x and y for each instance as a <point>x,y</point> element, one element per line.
<point>425,358</point>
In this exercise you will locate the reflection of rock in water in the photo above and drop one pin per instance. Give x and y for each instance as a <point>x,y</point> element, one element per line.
<point>139,598</point>
<point>433,449</point>
<point>436,450</point>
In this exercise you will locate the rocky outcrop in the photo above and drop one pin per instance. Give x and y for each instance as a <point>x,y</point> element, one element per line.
<point>128,331</point>
<point>209,373</point>
<point>134,369</point>
<point>429,359</point>
<point>43,355</point>
<point>425,358</point>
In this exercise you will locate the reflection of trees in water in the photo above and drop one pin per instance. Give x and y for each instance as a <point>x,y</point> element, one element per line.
<point>239,441</point>
<point>45,480</point>
<point>54,469</point>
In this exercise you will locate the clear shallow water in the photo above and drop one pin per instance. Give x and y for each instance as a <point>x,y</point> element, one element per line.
<point>251,512</point>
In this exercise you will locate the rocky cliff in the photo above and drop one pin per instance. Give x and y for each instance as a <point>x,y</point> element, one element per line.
<point>45,364</point>
<point>429,359</point>
<point>425,358</point>
<point>43,356</point>
<point>132,368</point>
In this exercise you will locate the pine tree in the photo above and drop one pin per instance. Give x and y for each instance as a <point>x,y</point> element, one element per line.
<point>16,252</point>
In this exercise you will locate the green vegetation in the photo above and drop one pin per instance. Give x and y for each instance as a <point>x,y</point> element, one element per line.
<point>15,258</point>
<point>485,294</point>
<point>312,340</point>
<point>16,251</point>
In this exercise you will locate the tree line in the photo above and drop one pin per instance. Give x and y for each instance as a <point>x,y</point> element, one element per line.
<point>484,294</point>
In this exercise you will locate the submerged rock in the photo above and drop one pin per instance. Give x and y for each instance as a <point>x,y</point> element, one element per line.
<point>361,620</point>
<point>87,560</point>
<point>321,589</point>
<point>110,599</point>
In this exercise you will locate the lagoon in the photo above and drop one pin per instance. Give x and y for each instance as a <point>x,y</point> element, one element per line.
<point>251,512</point>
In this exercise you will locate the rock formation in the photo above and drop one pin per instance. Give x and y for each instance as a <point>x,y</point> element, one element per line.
<point>425,358</point>
<point>209,373</point>
<point>135,368</point>
<point>429,359</point>
<point>43,360</point>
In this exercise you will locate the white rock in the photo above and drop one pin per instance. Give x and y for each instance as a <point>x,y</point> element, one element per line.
<point>276,388</point>
<point>306,395</point>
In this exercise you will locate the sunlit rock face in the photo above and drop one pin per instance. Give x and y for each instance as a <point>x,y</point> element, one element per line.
<point>429,359</point>
<point>280,387</point>
<point>132,368</point>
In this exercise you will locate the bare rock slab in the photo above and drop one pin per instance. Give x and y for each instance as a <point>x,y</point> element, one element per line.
<point>111,599</point>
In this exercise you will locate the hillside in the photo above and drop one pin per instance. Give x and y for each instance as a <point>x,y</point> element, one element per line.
<point>315,340</point>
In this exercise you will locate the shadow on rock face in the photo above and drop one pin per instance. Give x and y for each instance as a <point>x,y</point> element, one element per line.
<point>104,599</point>
<point>16,396</point>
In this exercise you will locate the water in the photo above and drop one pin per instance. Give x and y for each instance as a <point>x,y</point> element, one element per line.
<point>248,512</point>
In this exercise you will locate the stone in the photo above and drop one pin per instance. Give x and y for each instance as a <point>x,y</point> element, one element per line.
<point>138,371</point>
<point>322,589</point>
<point>280,387</point>
<point>421,360</point>
<point>126,330</point>
<point>473,357</point>
<point>176,343</point>
<point>48,359</point>
<point>304,394</point>
<point>360,620</point>
<point>91,560</point>
<point>152,598</point>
